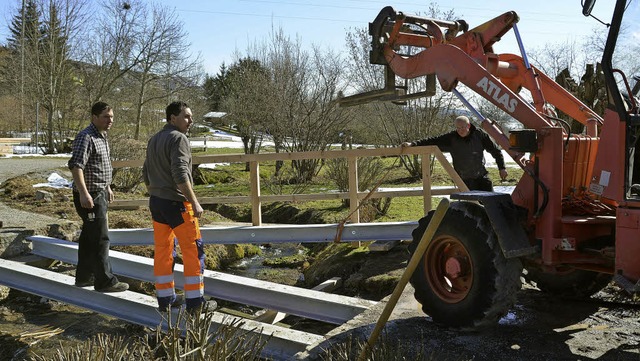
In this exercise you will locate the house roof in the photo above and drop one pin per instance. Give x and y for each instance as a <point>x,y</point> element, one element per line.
<point>214,115</point>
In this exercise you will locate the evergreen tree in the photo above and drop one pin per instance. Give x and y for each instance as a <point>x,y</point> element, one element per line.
<point>27,20</point>
<point>216,88</point>
<point>23,42</point>
<point>54,71</point>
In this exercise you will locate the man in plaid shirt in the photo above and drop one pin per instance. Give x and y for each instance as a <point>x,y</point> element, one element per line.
<point>90,166</point>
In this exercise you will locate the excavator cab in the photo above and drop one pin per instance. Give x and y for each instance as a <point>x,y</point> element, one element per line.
<point>623,123</point>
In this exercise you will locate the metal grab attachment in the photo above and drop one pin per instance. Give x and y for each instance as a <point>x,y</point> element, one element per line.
<point>410,31</point>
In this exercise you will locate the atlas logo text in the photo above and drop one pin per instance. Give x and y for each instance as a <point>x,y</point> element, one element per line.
<point>493,90</point>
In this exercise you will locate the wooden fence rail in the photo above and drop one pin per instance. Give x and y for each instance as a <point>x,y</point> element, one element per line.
<point>353,195</point>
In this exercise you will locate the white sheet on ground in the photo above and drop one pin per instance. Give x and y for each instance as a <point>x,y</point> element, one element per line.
<point>55,180</point>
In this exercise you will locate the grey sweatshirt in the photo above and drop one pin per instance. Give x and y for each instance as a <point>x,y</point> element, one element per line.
<point>168,163</point>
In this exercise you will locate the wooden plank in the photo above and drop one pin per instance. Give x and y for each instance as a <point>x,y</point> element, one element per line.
<point>452,172</point>
<point>6,149</point>
<point>136,203</point>
<point>266,157</point>
<point>426,184</point>
<point>352,155</point>
<point>14,140</point>
<point>354,201</point>
<point>256,204</point>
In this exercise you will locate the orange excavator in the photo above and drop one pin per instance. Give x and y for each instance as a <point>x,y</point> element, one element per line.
<point>572,223</point>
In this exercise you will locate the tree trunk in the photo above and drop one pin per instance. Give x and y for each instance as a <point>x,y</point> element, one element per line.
<point>140,105</point>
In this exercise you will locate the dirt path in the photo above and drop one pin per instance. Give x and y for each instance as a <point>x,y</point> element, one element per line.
<point>12,167</point>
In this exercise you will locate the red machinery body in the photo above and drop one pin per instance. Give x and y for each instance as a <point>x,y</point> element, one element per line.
<point>575,186</point>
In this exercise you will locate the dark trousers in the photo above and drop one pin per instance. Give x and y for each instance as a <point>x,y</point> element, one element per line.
<point>93,245</point>
<point>479,184</point>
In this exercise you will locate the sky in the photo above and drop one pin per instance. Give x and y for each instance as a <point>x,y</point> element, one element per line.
<point>220,29</point>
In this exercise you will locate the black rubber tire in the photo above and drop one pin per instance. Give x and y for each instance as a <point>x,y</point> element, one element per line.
<point>568,282</point>
<point>495,280</point>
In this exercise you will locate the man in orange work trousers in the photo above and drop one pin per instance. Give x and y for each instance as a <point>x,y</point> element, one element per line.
<point>175,210</point>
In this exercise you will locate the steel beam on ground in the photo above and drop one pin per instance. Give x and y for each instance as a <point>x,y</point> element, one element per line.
<point>284,233</point>
<point>283,343</point>
<point>273,316</point>
<point>292,300</point>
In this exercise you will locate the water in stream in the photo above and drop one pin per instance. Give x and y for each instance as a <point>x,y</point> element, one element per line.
<point>251,267</point>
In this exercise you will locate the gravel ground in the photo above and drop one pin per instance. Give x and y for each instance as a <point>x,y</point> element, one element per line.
<point>15,166</point>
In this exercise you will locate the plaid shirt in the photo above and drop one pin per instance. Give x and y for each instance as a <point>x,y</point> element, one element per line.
<point>91,154</point>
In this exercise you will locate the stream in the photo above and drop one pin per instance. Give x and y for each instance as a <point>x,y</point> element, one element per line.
<point>251,267</point>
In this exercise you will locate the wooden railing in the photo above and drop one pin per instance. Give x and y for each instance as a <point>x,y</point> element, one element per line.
<point>353,195</point>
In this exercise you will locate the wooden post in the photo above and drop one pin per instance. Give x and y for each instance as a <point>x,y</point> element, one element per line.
<point>354,202</point>
<point>426,182</point>
<point>256,204</point>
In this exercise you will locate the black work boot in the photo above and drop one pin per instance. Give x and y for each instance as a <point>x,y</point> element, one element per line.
<point>177,302</point>
<point>210,305</point>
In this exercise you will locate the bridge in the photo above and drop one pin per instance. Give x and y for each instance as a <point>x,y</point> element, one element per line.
<point>284,343</point>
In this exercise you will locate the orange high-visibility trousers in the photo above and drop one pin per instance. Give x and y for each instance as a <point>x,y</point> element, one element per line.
<point>173,220</point>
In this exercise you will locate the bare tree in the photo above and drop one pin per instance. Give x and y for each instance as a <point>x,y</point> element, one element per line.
<point>299,109</point>
<point>319,118</point>
<point>165,68</point>
<point>48,73</point>
<point>138,55</point>
<point>553,58</point>
<point>247,97</point>
<point>107,53</point>
<point>22,46</point>
<point>306,116</point>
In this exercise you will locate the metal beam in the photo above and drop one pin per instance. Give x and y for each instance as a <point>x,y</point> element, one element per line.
<point>283,343</point>
<point>284,233</point>
<point>297,301</point>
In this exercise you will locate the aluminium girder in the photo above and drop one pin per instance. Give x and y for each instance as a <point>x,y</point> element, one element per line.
<point>282,343</point>
<point>297,301</point>
<point>282,233</point>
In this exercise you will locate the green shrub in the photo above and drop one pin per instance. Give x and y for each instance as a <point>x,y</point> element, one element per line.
<point>370,172</point>
<point>127,179</point>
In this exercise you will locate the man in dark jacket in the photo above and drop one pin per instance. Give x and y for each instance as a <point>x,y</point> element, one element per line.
<point>467,145</point>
